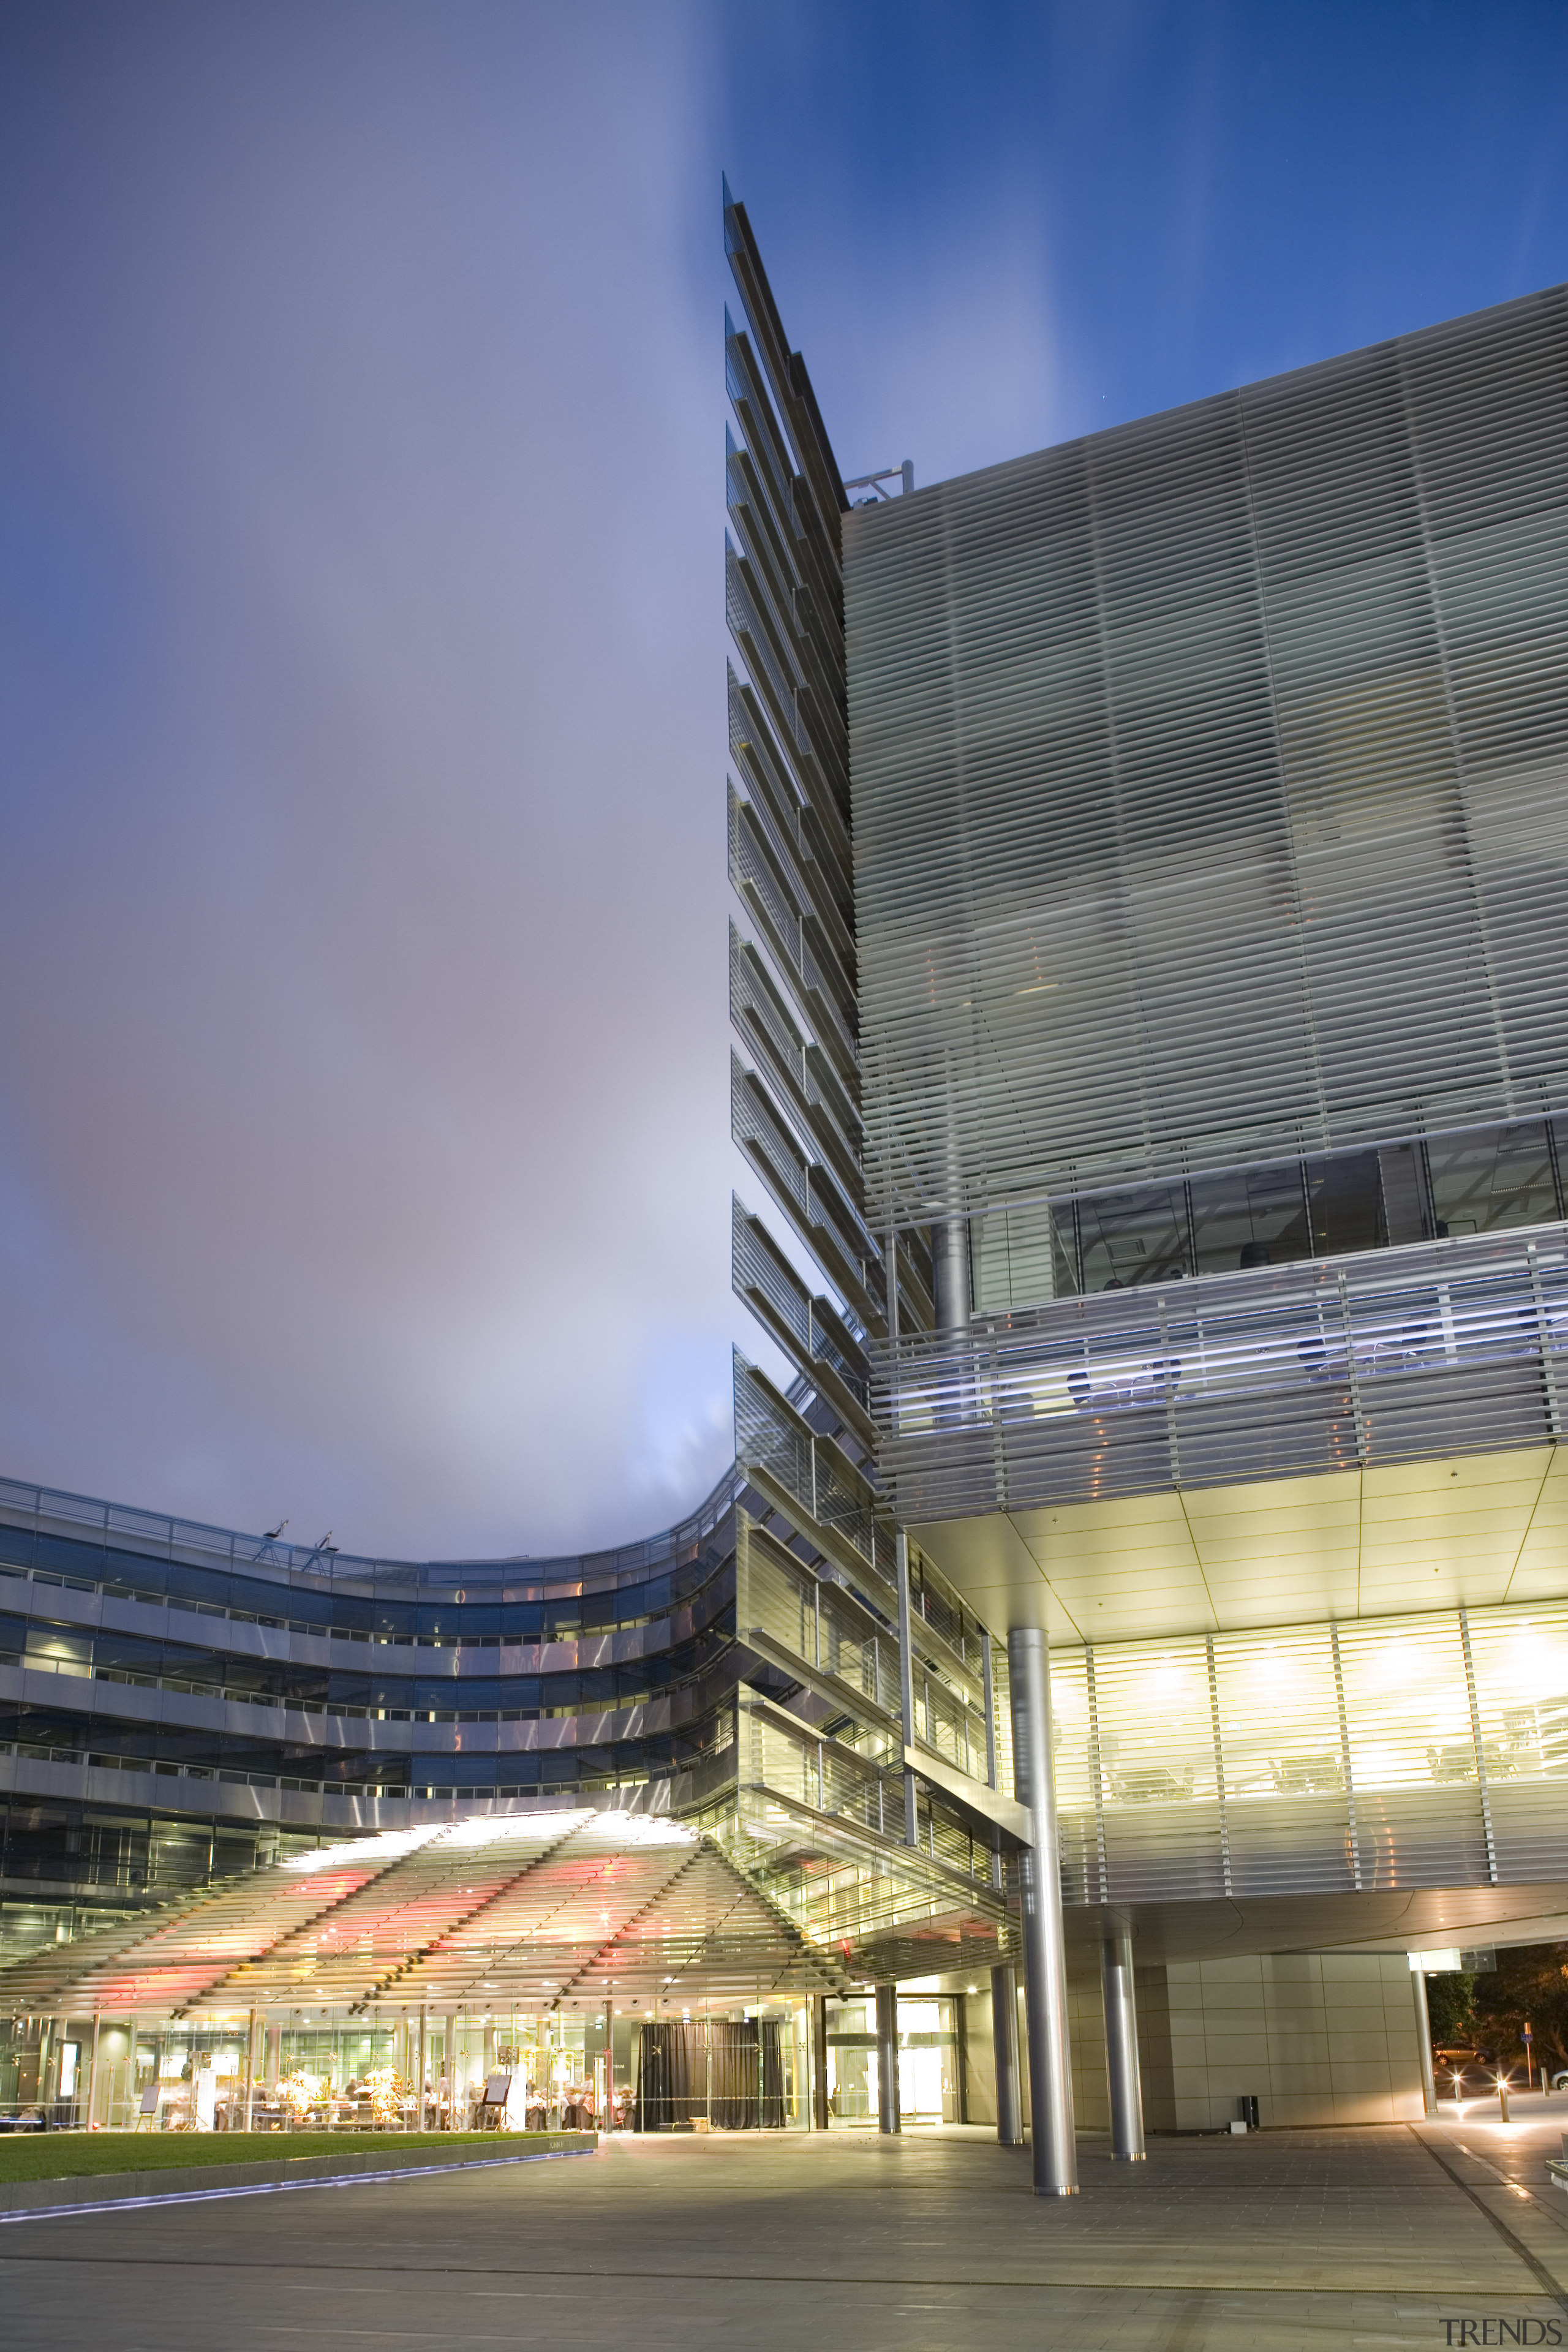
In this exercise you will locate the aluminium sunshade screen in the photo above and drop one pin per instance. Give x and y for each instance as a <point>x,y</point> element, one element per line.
<point>1208,779</point>
<point>534,1910</point>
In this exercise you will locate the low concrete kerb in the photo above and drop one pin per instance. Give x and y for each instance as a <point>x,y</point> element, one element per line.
<point>107,2192</point>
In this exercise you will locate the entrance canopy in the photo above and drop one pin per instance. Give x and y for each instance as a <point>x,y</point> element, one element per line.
<point>533,1911</point>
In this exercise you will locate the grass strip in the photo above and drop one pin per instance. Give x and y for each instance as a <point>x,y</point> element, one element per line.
<point>75,2156</point>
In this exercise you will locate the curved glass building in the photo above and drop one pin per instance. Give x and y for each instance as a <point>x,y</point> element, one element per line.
<point>1148,1552</point>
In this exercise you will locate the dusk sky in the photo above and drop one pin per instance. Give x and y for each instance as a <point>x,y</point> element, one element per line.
<point>363,1101</point>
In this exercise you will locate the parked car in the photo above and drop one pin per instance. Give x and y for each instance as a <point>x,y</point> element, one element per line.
<point>1472,2065</point>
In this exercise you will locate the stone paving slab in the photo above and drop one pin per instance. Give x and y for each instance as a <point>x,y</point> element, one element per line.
<point>1295,2242</point>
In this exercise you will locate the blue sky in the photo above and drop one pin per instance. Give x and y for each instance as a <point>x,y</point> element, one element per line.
<point>363,1084</point>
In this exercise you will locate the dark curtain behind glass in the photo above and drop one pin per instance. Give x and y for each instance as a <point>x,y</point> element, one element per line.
<point>747,2075</point>
<point>672,2076</point>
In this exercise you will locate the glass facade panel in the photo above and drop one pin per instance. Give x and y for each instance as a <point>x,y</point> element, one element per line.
<point>1407,1707</point>
<point>1279,1716</point>
<point>1250,1216</point>
<point>1500,1177</point>
<point>1156,1727</point>
<point>1131,1237</point>
<point>1520,1662</point>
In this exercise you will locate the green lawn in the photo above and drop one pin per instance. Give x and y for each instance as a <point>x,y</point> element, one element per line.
<point>67,2156</point>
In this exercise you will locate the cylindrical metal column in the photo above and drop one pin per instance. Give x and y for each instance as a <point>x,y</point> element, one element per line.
<point>424,2063</point>
<point>449,2068</point>
<point>1121,2046</point>
<point>1424,2039</point>
<point>93,2070</point>
<point>949,1272</point>
<point>608,2117</point>
<point>250,2069</point>
<point>133,2093</point>
<point>888,2119</point>
<point>274,2052</point>
<point>820,2116</point>
<point>1004,2044</point>
<point>1045,1956</point>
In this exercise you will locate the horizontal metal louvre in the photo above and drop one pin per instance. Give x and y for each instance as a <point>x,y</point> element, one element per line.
<point>1316,1758</point>
<point>822,1625</point>
<point>1211,780</point>
<point>815,1202</point>
<point>759,1271</point>
<point>812,1468</point>
<point>1446,1346</point>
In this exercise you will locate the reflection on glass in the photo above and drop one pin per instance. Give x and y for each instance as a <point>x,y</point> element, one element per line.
<point>1156,1727</point>
<point>1279,1715</point>
<point>1133,1237</point>
<point>1501,1177</point>
<point>928,2062</point>
<point>1407,1705</point>
<point>1249,1216</point>
<point>1521,1661</point>
<point>1331,1206</point>
<point>1345,1204</point>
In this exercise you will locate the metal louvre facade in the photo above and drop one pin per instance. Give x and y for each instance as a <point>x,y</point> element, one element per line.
<point>1414,1751</point>
<point>1449,1346</point>
<point>1209,781</point>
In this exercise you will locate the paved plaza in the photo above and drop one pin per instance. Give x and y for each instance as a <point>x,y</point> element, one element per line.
<point>1364,2237</point>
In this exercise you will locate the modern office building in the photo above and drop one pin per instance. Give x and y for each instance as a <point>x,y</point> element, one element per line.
<point>1145,1569</point>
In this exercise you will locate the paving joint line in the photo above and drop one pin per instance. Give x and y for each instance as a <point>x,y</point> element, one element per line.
<point>1531,2261</point>
<point>1226,2285</point>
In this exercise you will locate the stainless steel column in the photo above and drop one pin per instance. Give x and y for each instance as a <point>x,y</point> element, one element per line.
<point>887,2118</point>
<point>1004,2044</point>
<point>424,2062</point>
<point>93,2070</point>
<point>950,1272</point>
<point>250,2069</point>
<point>449,2068</point>
<point>906,1682</point>
<point>1121,2046</point>
<point>1044,1958</point>
<point>1424,2036</point>
<point>819,2112</point>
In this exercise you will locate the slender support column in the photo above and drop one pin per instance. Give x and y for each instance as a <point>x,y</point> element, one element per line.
<point>132,2092</point>
<point>1004,2044</point>
<point>449,2068</point>
<point>424,2060</point>
<point>608,2119</point>
<point>274,2052</point>
<point>887,2118</point>
<point>1121,2046</point>
<point>250,2069</point>
<point>1423,2039</point>
<point>960,2056</point>
<point>92,2069</point>
<point>1044,1958</point>
<point>950,1273</point>
<point>906,1682</point>
<point>819,2111</point>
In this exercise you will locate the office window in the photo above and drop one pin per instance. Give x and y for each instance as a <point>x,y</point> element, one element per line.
<point>1497,1178</point>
